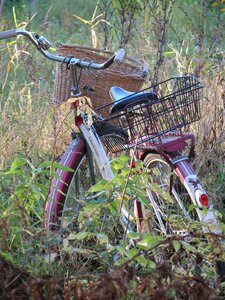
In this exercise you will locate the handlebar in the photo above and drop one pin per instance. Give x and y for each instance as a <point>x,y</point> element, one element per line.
<point>42,44</point>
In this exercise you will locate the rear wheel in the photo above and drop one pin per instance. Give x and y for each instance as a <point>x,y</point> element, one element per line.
<point>168,213</point>
<point>168,199</point>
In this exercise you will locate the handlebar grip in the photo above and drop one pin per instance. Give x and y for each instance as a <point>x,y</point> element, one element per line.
<point>8,34</point>
<point>120,54</point>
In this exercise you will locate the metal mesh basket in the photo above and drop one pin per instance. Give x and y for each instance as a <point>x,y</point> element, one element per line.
<point>150,120</point>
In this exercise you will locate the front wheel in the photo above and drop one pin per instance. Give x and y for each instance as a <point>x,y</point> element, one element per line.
<point>68,190</point>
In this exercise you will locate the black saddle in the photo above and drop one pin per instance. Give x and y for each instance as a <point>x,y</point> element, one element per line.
<point>123,98</point>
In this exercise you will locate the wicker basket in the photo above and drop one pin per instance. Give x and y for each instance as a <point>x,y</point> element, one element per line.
<point>96,84</point>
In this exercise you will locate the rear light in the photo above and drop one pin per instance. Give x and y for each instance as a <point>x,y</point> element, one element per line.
<point>204,200</point>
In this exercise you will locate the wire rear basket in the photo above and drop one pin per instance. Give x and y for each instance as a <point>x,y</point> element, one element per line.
<point>155,113</point>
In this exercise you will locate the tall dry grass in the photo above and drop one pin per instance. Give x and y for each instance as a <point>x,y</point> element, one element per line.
<point>193,46</point>
<point>29,122</point>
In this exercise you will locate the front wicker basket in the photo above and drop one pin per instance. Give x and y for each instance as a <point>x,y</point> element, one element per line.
<point>96,84</point>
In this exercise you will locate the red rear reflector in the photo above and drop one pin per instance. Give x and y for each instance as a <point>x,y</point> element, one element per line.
<point>204,200</point>
<point>133,164</point>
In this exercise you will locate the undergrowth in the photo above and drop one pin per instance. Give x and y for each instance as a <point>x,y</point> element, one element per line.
<point>99,259</point>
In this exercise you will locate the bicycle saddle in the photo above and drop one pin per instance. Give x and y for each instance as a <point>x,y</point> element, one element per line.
<point>123,98</point>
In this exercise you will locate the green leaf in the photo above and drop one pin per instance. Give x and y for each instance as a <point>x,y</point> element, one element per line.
<point>132,252</point>
<point>79,236</point>
<point>84,251</point>
<point>176,245</point>
<point>151,264</point>
<point>144,200</point>
<point>124,172</point>
<point>145,262</point>
<point>142,260</point>
<point>191,207</point>
<point>45,164</point>
<point>188,247</point>
<point>133,235</point>
<point>53,49</point>
<point>55,175</point>
<point>66,246</point>
<point>101,185</point>
<point>124,158</point>
<point>62,167</point>
<point>119,165</point>
<point>7,255</point>
<point>11,172</point>
<point>139,164</point>
<point>222,225</point>
<point>94,204</point>
<point>120,180</point>
<point>121,261</point>
<point>18,162</point>
<point>204,211</point>
<point>43,188</point>
<point>55,165</point>
<point>14,17</point>
<point>149,241</point>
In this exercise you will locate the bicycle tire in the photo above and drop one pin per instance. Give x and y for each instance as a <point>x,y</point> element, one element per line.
<point>168,210</point>
<point>62,193</point>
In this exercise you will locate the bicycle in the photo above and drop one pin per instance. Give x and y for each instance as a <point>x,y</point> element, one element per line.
<point>149,123</point>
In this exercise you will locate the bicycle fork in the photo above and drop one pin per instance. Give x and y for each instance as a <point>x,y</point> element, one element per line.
<point>95,147</point>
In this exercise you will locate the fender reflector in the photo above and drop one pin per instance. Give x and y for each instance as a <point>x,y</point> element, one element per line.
<point>204,200</point>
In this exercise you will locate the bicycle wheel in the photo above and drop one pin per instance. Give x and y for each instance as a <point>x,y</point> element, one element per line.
<point>68,190</point>
<point>168,211</point>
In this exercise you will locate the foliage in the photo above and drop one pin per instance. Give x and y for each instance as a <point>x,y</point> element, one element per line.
<point>154,264</point>
<point>23,191</point>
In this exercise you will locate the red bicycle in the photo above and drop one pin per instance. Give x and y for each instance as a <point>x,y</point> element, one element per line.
<point>149,124</point>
